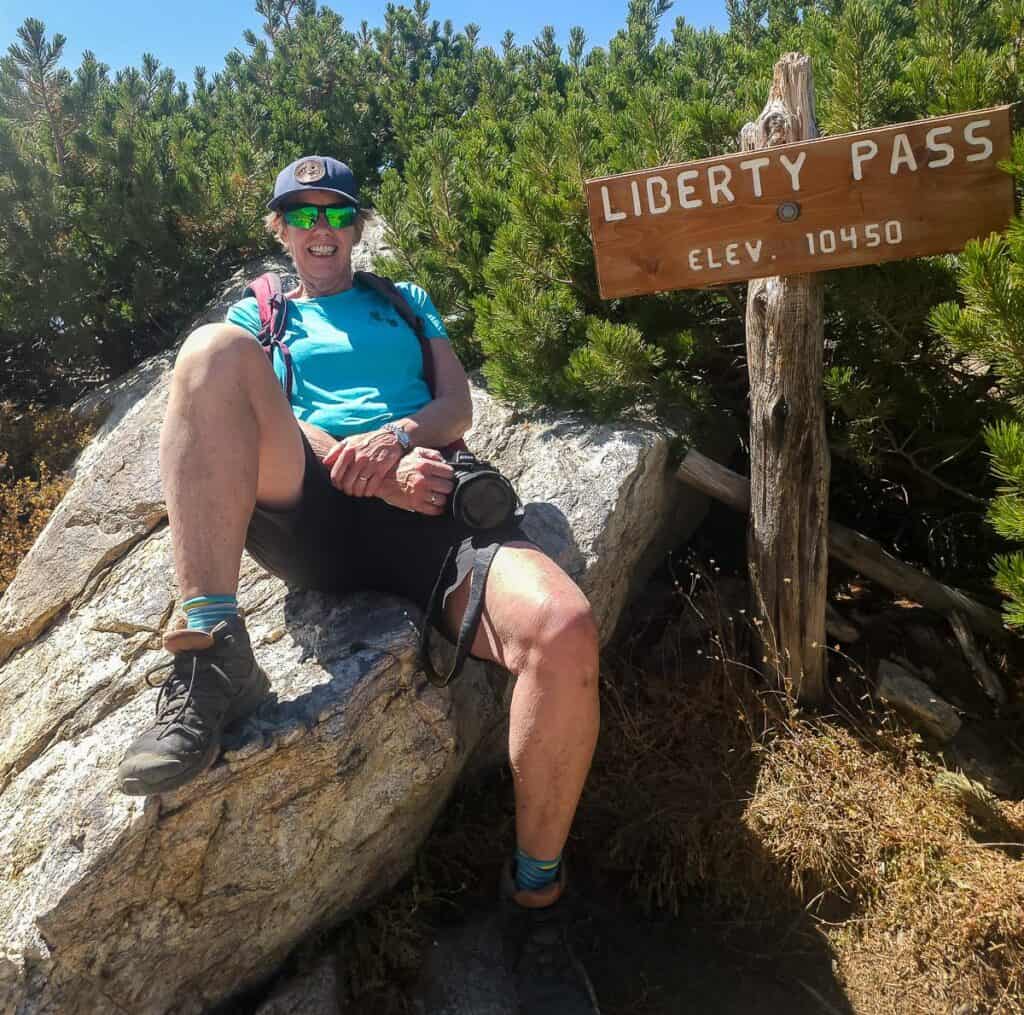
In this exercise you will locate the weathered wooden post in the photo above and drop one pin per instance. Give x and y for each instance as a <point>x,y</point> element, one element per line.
<point>789,457</point>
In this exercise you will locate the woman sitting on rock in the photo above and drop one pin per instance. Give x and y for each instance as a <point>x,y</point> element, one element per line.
<point>341,488</point>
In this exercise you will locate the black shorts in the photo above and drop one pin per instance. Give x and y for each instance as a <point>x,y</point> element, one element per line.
<point>340,544</point>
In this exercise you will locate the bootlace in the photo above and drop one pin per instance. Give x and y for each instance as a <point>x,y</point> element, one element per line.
<point>177,687</point>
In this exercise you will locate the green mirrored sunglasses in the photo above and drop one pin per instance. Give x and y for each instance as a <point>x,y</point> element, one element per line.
<point>305,216</point>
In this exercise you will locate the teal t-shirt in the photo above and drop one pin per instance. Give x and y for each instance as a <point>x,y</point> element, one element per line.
<point>355,363</point>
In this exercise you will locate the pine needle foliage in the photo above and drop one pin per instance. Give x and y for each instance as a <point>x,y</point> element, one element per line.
<point>990,324</point>
<point>1005,441</point>
<point>865,86</point>
<point>525,285</point>
<point>125,194</point>
<point>988,327</point>
<point>522,155</point>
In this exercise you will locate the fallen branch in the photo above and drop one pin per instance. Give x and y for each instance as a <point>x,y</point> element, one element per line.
<point>916,701</point>
<point>855,550</point>
<point>986,676</point>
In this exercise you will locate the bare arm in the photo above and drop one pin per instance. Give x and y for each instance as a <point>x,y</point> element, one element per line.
<point>450,414</point>
<point>419,481</point>
<point>319,440</point>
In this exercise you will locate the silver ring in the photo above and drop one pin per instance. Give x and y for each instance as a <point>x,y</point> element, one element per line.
<point>433,499</point>
<point>363,479</point>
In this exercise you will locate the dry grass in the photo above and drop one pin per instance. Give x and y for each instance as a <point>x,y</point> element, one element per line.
<point>677,760</point>
<point>934,915</point>
<point>36,445</point>
<point>913,874</point>
<point>945,929</point>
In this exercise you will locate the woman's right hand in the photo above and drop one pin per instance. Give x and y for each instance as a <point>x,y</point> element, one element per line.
<point>421,481</point>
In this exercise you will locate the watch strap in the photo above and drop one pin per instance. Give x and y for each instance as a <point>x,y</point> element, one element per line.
<point>400,435</point>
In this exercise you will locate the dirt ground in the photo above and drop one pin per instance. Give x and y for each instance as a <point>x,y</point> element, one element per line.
<point>646,965</point>
<point>669,965</point>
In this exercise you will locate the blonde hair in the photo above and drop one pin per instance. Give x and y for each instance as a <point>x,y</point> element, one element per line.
<point>274,223</point>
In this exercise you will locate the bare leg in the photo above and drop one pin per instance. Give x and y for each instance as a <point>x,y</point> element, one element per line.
<point>229,439</point>
<point>537,624</point>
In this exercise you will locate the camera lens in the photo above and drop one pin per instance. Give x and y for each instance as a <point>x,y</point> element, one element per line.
<point>484,501</point>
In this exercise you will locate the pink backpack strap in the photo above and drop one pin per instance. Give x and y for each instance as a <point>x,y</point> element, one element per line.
<point>273,308</point>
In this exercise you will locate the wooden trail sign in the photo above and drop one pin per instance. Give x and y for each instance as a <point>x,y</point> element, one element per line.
<point>877,195</point>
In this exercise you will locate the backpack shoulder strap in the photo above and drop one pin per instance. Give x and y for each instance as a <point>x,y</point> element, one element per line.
<point>270,299</point>
<point>387,289</point>
<point>273,307</point>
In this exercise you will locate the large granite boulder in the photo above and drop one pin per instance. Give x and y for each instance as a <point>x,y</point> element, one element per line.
<point>170,904</point>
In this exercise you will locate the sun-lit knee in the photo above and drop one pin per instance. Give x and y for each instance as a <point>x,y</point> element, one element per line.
<point>564,641</point>
<point>216,351</point>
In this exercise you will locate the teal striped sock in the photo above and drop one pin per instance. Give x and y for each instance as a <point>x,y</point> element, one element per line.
<point>532,873</point>
<point>204,613</point>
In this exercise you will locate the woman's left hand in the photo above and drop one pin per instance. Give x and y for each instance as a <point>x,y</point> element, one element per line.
<point>360,464</point>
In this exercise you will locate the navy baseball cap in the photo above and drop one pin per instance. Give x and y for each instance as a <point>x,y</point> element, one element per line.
<point>314,172</point>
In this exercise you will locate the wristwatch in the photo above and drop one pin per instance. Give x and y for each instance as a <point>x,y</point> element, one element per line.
<point>400,435</point>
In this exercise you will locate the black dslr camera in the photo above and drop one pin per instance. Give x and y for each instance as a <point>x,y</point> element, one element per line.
<point>483,498</point>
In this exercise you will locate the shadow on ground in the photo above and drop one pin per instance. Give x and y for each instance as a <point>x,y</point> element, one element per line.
<point>699,963</point>
<point>706,960</point>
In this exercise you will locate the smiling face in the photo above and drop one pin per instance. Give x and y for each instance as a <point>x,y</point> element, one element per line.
<point>322,255</point>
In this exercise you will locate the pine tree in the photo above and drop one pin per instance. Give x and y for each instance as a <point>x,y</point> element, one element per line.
<point>33,85</point>
<point>906,410</point>
<point>123,194</point>
<point>95,209</point>
<point>989,329</point>
<point>863,88</point>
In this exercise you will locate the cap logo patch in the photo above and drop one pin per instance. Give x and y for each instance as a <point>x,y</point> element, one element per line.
<point>309,171</point>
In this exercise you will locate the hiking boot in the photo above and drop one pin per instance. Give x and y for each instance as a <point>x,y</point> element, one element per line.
<point>214,681</point>
<point>549,978</point>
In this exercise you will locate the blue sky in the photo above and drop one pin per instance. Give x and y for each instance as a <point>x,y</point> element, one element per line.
<point>184,33</point>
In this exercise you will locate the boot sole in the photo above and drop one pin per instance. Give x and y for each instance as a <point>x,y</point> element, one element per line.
<point>133,786</point>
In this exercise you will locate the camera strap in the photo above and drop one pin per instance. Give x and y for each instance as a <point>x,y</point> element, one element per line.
<point>471,618</point>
